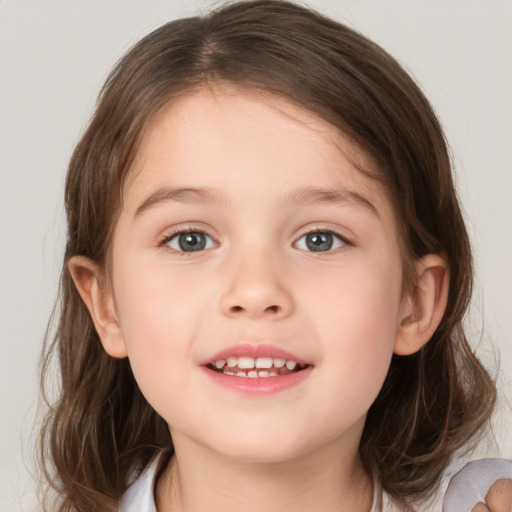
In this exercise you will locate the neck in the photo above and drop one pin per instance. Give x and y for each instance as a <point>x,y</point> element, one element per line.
<point>198,479</point>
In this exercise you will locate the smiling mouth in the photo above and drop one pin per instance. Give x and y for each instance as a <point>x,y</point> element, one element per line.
<point>262,367</point>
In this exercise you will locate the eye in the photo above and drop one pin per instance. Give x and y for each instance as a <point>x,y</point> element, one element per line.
<point>189,241</point>
<point>320,241</point>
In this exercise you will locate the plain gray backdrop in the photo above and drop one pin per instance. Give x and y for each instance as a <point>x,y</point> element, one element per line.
<point>54,56</point>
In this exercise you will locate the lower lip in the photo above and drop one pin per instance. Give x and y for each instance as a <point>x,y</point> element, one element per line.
<point>258,385</point>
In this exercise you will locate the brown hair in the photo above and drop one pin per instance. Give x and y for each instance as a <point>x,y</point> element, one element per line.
<point>101,431</point>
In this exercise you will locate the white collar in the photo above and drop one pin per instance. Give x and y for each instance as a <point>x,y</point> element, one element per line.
<point>140,495</point>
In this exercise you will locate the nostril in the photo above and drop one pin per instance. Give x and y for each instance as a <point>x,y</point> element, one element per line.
<point>270,309</point>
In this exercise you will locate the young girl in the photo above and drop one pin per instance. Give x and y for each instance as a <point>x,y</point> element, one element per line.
<point>264,282</point>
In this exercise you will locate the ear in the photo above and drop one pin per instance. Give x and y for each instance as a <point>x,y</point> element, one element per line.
<point>423,310</point>
<point>88,279</point>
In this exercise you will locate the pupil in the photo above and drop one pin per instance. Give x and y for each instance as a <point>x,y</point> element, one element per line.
<point>319,242</point>
<point>190,242</point>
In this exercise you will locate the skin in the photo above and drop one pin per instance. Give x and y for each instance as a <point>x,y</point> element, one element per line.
<point>498,499</point>
<point>341,310</point>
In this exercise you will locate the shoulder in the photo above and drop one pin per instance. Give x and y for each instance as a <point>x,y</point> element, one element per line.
<point>140,495</point>
<point>433,504</point>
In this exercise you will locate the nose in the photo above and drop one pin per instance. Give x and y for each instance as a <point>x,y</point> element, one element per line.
<point>255,289</point>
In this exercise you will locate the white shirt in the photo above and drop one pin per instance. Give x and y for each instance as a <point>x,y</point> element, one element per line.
<point>140,495</point>
<point>467,488</point>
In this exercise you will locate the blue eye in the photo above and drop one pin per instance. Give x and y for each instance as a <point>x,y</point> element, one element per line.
<point>320,241</point>
<point>190,241</point>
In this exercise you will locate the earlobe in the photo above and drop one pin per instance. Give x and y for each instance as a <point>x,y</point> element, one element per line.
<point>87,277</point>
<point>423,310</point>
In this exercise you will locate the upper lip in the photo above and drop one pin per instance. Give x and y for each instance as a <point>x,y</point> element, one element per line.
<point>254,350</point>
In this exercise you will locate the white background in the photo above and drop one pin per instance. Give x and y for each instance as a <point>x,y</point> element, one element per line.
<point>54,56</point>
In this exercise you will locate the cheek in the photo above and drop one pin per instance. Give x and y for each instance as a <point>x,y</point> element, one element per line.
<point>159,320</point>
<point>357,317</point>
<point>155,304</point>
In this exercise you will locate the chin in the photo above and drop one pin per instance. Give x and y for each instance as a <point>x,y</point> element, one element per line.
<point>260,457</point>
<point>258,447</point>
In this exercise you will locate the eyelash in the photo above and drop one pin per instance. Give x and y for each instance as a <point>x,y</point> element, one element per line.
<point>332,232</point>
<point>182,231</point>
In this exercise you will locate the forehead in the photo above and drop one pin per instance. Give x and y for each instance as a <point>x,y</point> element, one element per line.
<point>237,140</point>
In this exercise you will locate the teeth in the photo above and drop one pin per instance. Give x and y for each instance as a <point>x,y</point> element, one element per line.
<point>248,363</point>
<point>291,365</point>
<point>245,363</point>
<point>264,362</point>
<point>252,374</point>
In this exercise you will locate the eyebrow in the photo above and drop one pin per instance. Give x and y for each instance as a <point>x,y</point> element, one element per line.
<point>315,195</point>
<point>179,195</point>
<point>300,197</point>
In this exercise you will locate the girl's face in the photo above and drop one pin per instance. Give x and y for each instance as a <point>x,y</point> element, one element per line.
<point>247,237</point>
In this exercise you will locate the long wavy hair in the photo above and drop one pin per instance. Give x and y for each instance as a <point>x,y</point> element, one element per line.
<point>100,432</point>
